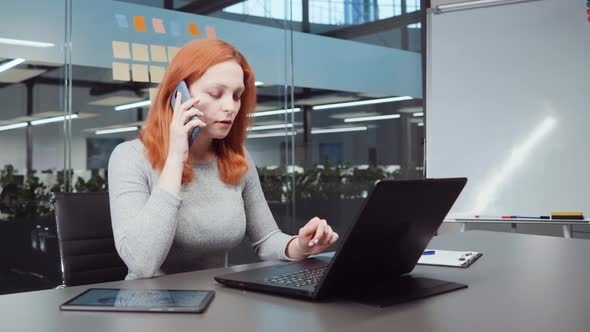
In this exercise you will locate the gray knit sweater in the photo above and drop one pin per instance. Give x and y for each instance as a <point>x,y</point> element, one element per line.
<point>158,233</point>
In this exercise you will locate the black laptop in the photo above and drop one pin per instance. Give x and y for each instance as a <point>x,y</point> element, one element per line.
<point>381,247</point>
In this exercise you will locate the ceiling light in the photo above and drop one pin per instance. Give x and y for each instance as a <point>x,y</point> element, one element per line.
<point>417,114</point>
<point>411,109</point>
<point>336,130</point>
<point>113,101</point>
<point>283,111</point>
<point>53,119</point>
<point>362,102</point>
<point>116,130</point>
<point>421,124</point>
<point>12,63</point>
<point>290,133</point>
<point>276,126</point>
<point>14,125</point>
<point>373,118</point>
<point>21,42</point>
<point>133,105</point>
<point>474,4</point>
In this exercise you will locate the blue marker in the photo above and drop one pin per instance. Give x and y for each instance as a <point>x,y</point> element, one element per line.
<point>428,252</point>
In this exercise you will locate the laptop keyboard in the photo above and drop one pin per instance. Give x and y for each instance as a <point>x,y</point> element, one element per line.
<point>298,278</point>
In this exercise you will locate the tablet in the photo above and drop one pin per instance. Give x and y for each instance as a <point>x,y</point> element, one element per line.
<point>144,300</point>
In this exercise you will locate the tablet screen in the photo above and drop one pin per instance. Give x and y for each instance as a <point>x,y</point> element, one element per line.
<point>140,300</point>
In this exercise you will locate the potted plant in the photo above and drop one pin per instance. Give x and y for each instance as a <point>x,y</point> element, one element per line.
<point>26,208</point>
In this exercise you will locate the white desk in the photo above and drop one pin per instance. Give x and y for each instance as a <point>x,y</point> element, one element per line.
<point>566,225</point>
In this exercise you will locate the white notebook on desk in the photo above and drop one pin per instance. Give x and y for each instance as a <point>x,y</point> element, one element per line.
<point>449,258</point>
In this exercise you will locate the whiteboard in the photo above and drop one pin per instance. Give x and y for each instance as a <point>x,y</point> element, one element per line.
<point>508,106</point>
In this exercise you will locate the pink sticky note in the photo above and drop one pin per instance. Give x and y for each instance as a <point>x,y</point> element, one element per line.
<point>158,25</point>
<point>211,34</point>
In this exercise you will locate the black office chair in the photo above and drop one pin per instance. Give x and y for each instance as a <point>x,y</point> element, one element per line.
<point>85,237</point>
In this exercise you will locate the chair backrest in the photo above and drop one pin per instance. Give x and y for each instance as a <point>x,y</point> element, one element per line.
<point>85,236</point>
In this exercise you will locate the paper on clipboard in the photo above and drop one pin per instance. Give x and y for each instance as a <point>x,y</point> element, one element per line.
<point>449,258</point>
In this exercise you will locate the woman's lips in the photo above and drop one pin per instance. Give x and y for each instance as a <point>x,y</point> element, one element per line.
<point>225,122</point>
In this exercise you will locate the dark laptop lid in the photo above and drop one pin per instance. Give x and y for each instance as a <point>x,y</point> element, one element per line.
<point>394,226</point>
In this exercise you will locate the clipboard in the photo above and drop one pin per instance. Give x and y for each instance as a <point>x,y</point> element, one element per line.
<point>450,258</point>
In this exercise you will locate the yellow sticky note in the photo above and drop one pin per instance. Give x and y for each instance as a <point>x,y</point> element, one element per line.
<point>156,73</point>
<point>172,52</point>
<point>121,71</point>
<point>153,93</point>
<point>140,52</point>
<point>140,73</point>
<point>121,50</point>
<point>158,53</point>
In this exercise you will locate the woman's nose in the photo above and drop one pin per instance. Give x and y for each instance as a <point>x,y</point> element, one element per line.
<point>229,105</point>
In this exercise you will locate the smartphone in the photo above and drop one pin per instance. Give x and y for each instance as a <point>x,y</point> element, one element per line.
<point>186,95</point>
<point>140,300</point>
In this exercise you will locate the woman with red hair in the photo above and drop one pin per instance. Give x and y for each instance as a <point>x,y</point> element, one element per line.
<point>178,208</point>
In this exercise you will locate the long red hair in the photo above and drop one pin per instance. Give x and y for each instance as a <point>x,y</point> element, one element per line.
<point>189,64</point>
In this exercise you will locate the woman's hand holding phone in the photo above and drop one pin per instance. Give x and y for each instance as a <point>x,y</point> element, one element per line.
<point>181,127</point>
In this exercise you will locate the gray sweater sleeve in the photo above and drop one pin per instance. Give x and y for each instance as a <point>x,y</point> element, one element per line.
<point>144,222</point>
<point>262,230</point>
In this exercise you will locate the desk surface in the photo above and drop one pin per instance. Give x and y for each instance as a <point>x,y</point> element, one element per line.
<point>522,283</point>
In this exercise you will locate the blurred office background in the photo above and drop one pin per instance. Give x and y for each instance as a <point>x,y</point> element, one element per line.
<point>340,104</point>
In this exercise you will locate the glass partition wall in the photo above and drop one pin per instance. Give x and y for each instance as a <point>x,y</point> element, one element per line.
<point>339,104</point>
<point>32,139</point>
<point>355,110</point>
